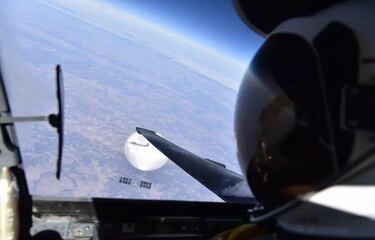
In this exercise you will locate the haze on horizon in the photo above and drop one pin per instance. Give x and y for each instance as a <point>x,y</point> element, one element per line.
<point>114,19</point>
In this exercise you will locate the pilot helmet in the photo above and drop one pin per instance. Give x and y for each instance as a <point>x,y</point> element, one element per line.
<point>306,106</point>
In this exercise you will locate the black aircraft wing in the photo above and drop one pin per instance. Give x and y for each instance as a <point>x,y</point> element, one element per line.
<point>228,185</point>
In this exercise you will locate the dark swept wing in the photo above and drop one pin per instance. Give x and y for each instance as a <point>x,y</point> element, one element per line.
<point>228,185</point>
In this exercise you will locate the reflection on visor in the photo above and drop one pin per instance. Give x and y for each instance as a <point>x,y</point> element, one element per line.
<point>294,150</point>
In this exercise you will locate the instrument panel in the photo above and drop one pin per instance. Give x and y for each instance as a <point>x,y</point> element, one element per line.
<point>87,219</point>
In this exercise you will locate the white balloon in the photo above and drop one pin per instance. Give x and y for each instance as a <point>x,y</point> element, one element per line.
<point>142,155</point>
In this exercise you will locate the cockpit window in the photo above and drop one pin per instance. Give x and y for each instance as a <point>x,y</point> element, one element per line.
<point>173,67</point>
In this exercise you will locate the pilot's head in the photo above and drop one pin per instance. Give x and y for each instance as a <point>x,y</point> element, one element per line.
<point>306,106</point>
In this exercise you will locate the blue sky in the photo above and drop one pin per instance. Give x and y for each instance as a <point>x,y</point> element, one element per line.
<point>212,22</point>
<point>212,42</point>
